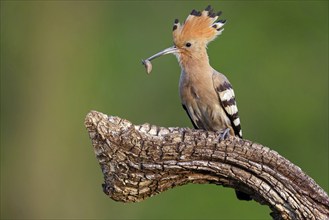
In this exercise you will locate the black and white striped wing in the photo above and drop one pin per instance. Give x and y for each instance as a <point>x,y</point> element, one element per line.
<point>227,99</point>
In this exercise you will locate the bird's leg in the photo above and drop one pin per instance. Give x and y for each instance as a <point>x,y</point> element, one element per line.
<point>224,135</point>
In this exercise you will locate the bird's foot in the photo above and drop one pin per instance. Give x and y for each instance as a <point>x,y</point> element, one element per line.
<point>224,135</point>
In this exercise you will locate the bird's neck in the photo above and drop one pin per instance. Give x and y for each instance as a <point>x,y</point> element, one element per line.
<point>194,63</point>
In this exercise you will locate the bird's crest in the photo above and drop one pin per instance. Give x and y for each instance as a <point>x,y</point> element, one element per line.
<point>199,26</point>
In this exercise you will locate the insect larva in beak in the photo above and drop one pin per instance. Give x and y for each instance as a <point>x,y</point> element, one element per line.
<point>148,66</point>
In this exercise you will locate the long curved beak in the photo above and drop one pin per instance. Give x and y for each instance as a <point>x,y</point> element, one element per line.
<point>147,62</point>
<point>169,50</point>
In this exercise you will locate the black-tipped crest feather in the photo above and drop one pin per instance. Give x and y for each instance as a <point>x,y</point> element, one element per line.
<point>195,12</point>
<point>208,8</point>
<point>199,25</point>
<point>175,24</point>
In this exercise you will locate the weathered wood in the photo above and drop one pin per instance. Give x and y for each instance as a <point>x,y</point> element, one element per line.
<point>139,161</point>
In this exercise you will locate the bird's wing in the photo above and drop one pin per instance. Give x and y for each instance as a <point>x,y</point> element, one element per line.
<point>192,117</point>
<point>227,100</point>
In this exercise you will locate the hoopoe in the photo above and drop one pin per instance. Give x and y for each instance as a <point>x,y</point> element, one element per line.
<point>206,95</point>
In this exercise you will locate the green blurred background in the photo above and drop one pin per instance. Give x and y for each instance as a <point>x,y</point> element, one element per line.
<point>61,59</point>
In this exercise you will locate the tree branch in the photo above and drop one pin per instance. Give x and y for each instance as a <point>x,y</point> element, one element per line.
<point>139,161</point>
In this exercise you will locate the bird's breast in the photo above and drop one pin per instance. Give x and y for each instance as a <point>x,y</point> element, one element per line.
<point>202,102</point>
<point>197,88</point>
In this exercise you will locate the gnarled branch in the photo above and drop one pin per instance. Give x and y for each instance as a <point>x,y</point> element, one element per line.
<point>139,161</point>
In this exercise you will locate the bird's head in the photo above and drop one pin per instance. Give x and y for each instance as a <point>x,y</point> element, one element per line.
<point>192,36</point>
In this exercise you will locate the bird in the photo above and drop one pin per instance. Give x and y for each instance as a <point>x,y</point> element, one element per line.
<point>206,95</point>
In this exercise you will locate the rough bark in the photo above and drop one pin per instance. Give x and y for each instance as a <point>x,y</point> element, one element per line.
<point>139,161</point>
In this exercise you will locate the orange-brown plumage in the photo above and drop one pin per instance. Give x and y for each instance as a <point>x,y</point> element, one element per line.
<point>206,94</point>
<point>198,30</point>
<point>200,26</point>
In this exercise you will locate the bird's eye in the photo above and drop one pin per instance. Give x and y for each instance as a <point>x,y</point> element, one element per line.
<point>188,44</point>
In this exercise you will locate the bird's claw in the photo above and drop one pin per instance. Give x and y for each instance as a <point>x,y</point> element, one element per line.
<point>224,135</point>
